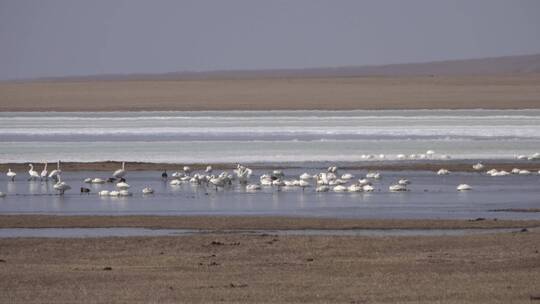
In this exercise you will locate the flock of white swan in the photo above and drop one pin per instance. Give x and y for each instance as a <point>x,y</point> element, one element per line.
<point>326,181</point>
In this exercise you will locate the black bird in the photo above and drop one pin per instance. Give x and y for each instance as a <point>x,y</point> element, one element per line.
<point>85,190</point>
<point>164,175</point>
<point>111,180</point>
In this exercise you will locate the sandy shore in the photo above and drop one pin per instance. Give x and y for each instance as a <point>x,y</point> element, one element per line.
<point>454,165</point>
<point>493,268</point>
<point>335,93</point>
<point>248,222</point>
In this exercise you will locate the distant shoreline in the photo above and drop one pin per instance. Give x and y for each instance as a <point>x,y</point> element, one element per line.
<point>296,111</point>
<point>502,92</point>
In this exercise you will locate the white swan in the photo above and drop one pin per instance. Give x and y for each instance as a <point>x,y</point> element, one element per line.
<point>61,186</point>
<point>339,188</point>
<point>464,187</point>
<point>333,169</point>
<point>120,172</point>
<point>124,192</point>
<point>175,182</point>
<point>33,173</point>
<point>305,176</point>
<point>114,193</point>
<point>122,185</point>
<point>336,182</point>
<point>397,188</point>
<point>303,184</point>
<point>219,181</point>
<point>322,188</point>
<point>10,174</point>
<point>368,188</point>
<point>355,188</point>
<point>243,173</point>
<point>535,156</point>
<point>404,182</point>
<point>54,173</point>
<point>253,187</point>
<point>148,190</point>
<point>373,175</point>
<point>347,176</point>
<point>266,180</point>
<point>97,180</point>
<point>499,173</point>
<point>103,193</point>
<point>278,183</point>
<point>524,172</point>
<point>43,174</point>
<point>290,183</point>
<point>443,172</point>
<point>478,166</point>
<point>363,182</point>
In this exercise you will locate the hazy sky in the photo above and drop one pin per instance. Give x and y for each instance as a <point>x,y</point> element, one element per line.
<point>81,37</point>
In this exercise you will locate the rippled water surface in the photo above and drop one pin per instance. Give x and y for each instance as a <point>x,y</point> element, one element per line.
<point>430,197</point>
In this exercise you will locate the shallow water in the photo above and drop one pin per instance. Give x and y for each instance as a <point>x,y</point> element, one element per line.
<point>430,197</point>
<point>265,136</point>
<point>131,232</point>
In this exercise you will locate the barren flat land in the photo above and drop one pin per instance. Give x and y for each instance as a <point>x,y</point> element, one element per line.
<point>224,267</point>
<point>275,93</point>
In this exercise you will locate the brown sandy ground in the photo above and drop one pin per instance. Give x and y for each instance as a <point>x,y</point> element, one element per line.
<point>248,222</point>
<point>435,165</point>
<point>330,93</point>
<point>494,268</point>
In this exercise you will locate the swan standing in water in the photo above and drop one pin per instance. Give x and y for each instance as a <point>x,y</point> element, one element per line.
<point>54,173</point>
<point>43,174</point>
<point>243,173</point>
<point>61,186</point>
<point>120,172</point>
<point>33,173</point>
<point>11,175</point>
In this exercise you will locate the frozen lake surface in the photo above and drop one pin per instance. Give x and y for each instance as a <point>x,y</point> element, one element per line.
<point>265,136</point>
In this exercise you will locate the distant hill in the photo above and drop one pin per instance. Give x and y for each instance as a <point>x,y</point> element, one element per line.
<point>525,64</point>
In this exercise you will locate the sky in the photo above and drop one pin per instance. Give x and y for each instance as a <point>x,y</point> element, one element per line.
<point>86,37</point>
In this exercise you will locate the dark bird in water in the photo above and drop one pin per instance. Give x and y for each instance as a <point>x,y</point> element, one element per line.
<point>122,180</point>
<point>111,180</point>
<point>164,175</point>
<point>85,190</point>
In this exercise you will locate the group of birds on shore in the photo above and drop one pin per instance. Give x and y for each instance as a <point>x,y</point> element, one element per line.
<point>326,181</point>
